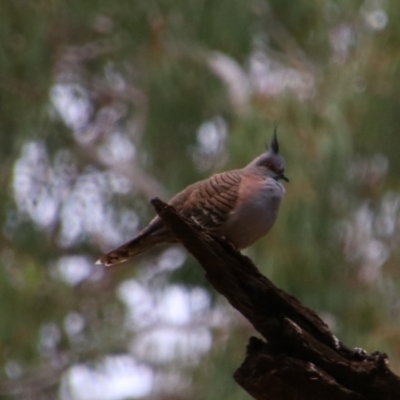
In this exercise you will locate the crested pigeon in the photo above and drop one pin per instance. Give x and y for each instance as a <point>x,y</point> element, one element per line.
<point>240,205</point>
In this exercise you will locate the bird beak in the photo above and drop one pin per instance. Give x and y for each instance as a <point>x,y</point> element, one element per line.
<point>282,176</point>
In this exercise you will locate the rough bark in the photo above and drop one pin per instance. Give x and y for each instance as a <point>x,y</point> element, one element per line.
<point>301,359</point>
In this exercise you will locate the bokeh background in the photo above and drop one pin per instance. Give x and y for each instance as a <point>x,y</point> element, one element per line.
<point>106,104</point>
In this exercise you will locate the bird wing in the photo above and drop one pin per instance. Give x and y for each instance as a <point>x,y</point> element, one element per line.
<point>208,202</point>
<point>211,201</point>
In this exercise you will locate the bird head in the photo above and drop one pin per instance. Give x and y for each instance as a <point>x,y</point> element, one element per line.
<point>271,163</point>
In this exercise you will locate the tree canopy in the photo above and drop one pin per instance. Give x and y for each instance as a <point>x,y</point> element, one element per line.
<point>105,105</point>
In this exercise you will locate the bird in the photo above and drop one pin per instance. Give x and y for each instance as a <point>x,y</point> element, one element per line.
<point>239,205</point>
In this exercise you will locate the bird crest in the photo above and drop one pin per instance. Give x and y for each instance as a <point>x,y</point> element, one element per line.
<point>274,142</point>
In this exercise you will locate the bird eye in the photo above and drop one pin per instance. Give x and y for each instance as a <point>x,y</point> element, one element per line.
<point>270,166</point>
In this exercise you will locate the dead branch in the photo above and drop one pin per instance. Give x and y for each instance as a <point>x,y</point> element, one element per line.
<point>301,359</point>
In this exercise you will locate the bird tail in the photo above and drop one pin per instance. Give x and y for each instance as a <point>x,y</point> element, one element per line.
<point>128,250</point>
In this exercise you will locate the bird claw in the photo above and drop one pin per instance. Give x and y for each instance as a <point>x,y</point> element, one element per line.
<point>225,239</point>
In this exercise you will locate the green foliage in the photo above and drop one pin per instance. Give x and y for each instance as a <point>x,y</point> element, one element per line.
<point>103,105</point>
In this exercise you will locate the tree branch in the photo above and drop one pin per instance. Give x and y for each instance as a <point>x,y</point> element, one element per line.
<point>301,359</point>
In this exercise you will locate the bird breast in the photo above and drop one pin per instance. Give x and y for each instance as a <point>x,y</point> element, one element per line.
<point>255,212</point>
